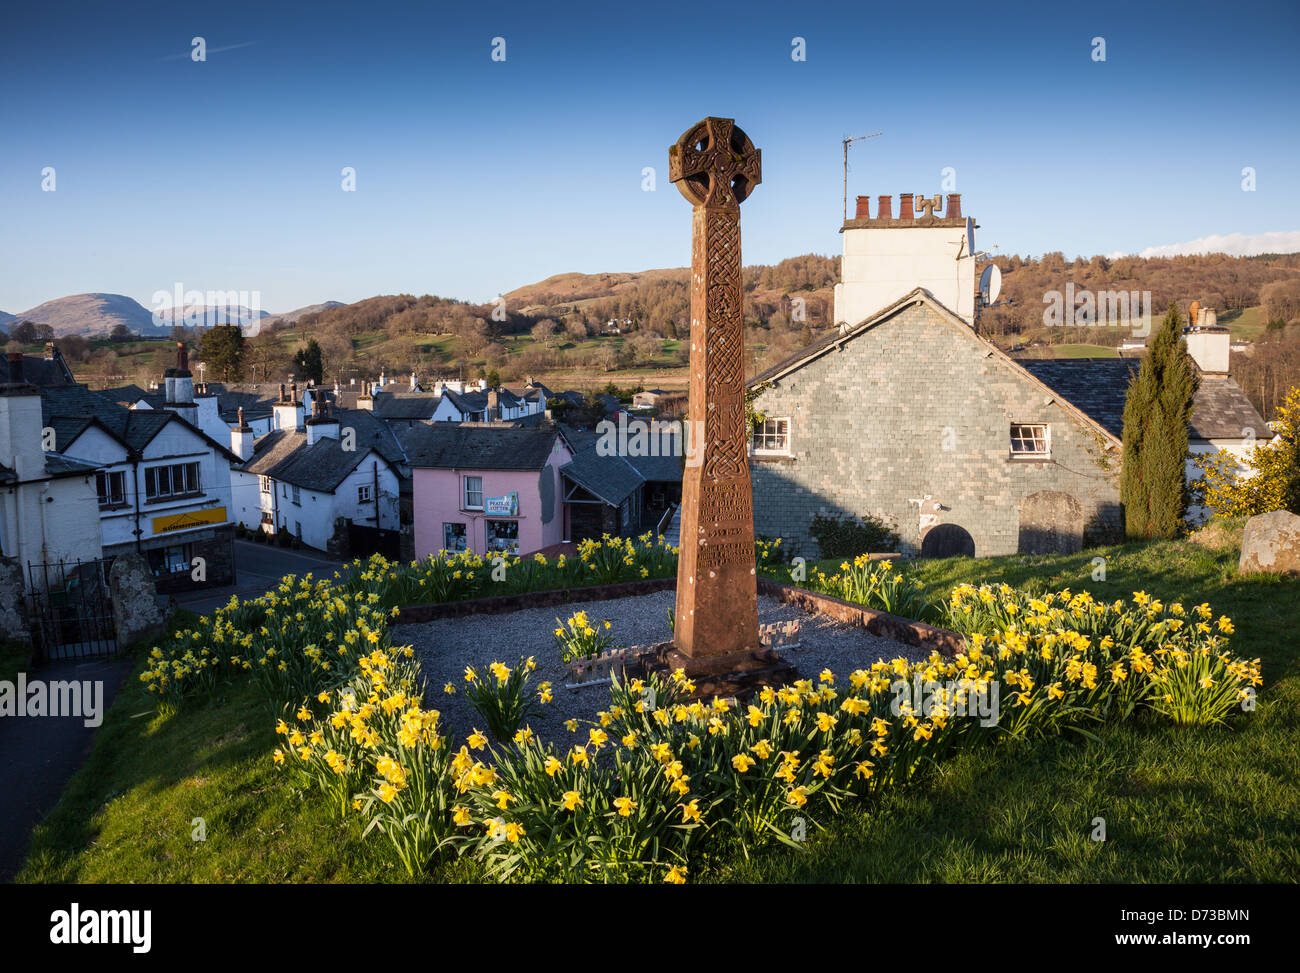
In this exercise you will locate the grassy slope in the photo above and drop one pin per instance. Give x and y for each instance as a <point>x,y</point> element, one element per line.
<point>1180,805</point>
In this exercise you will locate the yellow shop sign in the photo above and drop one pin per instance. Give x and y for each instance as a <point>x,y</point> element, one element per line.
<point>189,520</point>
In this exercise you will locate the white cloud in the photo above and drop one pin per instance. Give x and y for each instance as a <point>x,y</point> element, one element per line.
<point>1233,244</point>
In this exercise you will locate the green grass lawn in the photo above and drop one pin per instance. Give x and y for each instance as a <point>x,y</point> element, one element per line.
<point>1247,323</point>
<point>1196,805</point>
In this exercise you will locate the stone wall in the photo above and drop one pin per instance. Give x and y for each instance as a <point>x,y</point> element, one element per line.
<point>916,408</point>
<point>13,603</point>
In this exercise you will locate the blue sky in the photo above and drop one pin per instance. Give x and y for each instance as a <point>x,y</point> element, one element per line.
<point>474,177</point>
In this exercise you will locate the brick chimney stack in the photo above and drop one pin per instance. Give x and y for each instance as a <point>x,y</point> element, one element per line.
<point>864,205</point>
<point>954,206</point>
<point>905,206</point>
<point>885,208</point>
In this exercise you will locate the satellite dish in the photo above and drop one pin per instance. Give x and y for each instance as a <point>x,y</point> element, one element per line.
<point>970,236</point>
<point>990,284</point>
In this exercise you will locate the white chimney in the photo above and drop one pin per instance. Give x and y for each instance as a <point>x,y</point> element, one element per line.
<point>321,425</point>
<point>288,410</point>
<point>415,384</point>
<point>20,424</point>
<point>241,438</point>
<point>1209,346</point>
<point>886,258</point>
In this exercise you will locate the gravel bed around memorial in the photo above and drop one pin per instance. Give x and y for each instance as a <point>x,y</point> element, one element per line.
<point>446,646</point>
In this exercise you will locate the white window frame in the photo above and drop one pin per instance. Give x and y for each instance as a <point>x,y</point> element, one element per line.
<point>153,483</point>
<point>762,433</point>
<point>465,492</point>
<point>363,493</point>
<point>110,478</point>
<point>266,485</point>
<point>1030,432</point>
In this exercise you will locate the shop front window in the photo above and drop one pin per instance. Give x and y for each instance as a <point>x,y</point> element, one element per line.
<point>454,538</point>
<point>503,536</point>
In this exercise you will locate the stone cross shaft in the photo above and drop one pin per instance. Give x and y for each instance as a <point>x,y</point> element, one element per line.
<point>715,166</point>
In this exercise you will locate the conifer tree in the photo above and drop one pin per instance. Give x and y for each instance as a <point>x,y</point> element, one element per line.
<point>1153,485</point>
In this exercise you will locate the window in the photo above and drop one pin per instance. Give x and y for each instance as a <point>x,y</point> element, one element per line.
<point>772,436</point>
<point>473,493</point>
<point>1030,439</point>
<point>112,488</point>
<point>363,494</point>
<point>172,481</point>
<point>503,536</point>
<point>297,494</point>
<point>454,538</point>
<point>267,485</point>
<point>169,560</point>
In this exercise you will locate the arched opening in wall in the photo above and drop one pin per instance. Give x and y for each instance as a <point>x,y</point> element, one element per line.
<point>1051,522</point>
<point>947,540</point>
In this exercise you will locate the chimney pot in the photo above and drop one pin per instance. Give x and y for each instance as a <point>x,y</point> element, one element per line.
<point>885,208</point>
<point>862,212</point>
<point>954,206</point>
<point>905,206</point>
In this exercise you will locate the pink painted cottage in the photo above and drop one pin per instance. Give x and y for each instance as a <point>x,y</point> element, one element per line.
<point>487,489</point>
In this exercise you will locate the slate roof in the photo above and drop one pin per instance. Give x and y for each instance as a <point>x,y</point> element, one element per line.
<point>373,432</point>
<point>70,410</point>
<point>320,467</point>
<point>127,395</point>
<point>41,372</point>
<point>658,469</point>
<point>409,406</point>
<point>255,398</point>
<point>1098,386</point>
<point>611,478</point>
<point>479,447</point>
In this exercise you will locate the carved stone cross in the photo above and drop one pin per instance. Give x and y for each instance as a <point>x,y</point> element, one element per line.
<point>715,166</point>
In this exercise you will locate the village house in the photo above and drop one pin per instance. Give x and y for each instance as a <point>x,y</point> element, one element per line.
<point>325,480</point>
<point>624,492</point>
<point>1223,417</point>
<point>487,488</point>
<point>49,511</point>
<point>163,487</point>
<point>907,414</point>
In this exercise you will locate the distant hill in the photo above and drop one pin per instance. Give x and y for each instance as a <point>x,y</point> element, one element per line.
<point>290,317</point>
<point>92,314</point>
<point>95,315</point>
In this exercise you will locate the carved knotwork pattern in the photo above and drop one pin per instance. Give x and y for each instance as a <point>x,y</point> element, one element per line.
<point>725,456</point>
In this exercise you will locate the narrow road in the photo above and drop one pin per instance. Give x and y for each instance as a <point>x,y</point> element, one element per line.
<point>38,754</point>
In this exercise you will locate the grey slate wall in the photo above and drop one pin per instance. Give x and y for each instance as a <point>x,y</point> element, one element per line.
<point>868,427</point>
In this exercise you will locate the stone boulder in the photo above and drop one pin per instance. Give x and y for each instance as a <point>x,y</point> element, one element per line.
<point>1270,544</point>
<point>136,615</point>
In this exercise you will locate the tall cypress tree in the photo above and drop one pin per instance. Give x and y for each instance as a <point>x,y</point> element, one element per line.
<point>1153,485</point>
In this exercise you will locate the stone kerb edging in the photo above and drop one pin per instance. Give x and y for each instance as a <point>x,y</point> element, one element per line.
<point>880,623</point>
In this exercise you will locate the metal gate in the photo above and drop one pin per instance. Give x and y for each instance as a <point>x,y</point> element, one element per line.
<point>73,611</point>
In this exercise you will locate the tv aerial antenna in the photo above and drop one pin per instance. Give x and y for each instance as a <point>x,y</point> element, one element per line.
<point>849,140</point>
